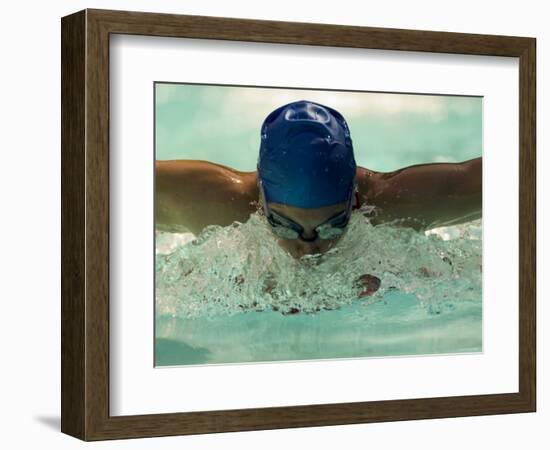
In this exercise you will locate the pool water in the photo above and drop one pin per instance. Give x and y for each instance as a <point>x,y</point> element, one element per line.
<point>232,295</point>
<point>396,325</point>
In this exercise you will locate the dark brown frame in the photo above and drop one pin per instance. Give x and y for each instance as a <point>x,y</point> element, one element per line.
<point>85,224</point>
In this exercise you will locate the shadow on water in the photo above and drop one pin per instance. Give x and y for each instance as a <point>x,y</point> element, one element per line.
<point>169,352</point>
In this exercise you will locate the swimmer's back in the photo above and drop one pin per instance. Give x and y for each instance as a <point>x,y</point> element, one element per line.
<point>191,194</point>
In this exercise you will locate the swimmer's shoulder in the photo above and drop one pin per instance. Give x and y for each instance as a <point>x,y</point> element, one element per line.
<point>206,172</point>
<point>196,193</point>
<point>368,183</point>
<point>179,167</point>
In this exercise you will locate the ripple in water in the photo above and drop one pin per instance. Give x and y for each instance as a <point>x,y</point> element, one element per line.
<point>228,270</point>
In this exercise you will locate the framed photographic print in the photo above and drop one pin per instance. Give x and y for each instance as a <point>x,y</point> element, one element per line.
<point>274,224</point>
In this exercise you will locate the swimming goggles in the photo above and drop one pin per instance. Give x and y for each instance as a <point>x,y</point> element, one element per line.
<point>286,228</point>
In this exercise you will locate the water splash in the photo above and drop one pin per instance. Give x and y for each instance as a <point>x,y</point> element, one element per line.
<point>227,270</point>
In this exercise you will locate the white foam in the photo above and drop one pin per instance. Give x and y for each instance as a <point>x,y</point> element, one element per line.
<point>227,270</point>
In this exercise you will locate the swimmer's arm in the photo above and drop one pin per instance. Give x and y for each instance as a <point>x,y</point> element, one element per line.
<point>190,194</point>
<point>425,196</point>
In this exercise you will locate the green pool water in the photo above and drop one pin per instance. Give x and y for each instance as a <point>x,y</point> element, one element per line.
<point>395,325</point>
<point>212,306</point>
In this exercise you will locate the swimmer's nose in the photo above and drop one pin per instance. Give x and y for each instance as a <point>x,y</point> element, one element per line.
<point>309,236</point>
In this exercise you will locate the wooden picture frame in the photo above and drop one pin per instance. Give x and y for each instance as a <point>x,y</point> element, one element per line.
<point>85,224</point>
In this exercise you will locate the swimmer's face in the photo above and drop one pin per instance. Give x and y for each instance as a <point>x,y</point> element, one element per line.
<point>309,219</point>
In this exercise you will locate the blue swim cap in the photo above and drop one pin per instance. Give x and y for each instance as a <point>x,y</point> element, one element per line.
<point>306,156</point>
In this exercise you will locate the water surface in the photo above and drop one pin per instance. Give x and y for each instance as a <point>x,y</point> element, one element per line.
<point>232,295</point>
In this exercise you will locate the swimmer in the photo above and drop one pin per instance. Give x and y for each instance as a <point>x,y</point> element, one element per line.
<point>307,184</point>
